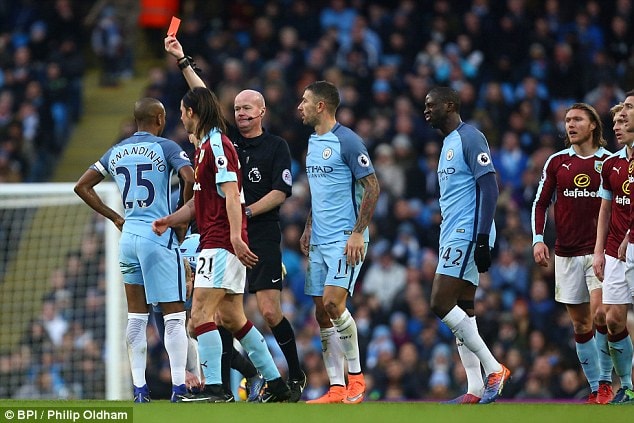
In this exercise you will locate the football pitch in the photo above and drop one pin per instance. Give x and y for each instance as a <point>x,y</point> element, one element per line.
<point>383,412</point>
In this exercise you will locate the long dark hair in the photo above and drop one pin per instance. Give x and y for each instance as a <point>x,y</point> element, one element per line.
<point>205,104</point>
<point>597,133</point>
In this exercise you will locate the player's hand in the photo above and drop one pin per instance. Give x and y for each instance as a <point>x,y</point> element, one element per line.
<point>623,248</point>
<point>159,226</point>
<point>173,46</point>
<point>541,254</point>
<point>244,254</point>
<point>355,249</point>
<point>192,381</point>
<point>304,241</point>
<point>119,223</point>
<point>482,253</point>
<point>598,265</point>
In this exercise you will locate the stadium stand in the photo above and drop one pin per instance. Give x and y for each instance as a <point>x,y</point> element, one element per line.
<point>517,65</point>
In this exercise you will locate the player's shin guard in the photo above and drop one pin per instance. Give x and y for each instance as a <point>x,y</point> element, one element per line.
<point>176,345</point>
<point>333,356</point>
<point>471,364</point>
<point>347,330</point>
<point>255,346</point>
<point>603,350</point>
<point>209,351</point>
<point>136,339</point>
<point>586,347</point>
<point>460,324</point>
<point>620,346</point>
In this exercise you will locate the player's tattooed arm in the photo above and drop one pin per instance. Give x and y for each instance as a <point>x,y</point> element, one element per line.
<point>368,202</point>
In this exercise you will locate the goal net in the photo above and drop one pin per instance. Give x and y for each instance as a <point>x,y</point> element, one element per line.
<point>62,305</point>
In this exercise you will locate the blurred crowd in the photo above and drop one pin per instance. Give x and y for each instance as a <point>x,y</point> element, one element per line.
<point>41,70</point>
<point>517,65</point>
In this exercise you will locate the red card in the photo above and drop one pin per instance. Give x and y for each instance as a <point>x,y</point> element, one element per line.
<point>173,29</point>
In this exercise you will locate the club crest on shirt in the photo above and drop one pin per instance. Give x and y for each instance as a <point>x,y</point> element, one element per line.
<point>255,175</point>
<point>287,177</point>
<point>598,165</point>
<point>221,162</point>
<point>450,154</point>
<point>326,153</point>
<point>483,159</point>
<point>363,160</point>
<point>626,187</point>
<point>582,180</point>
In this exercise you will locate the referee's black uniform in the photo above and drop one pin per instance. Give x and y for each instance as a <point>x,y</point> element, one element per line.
<point>266,166</point>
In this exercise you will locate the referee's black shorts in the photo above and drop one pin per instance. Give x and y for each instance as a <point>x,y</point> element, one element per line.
<point>264,241</point>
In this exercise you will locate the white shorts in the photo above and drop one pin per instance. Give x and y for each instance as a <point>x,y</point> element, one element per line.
<point>629,266</point>
<point>218,268</point>
<point>616,290</point>
<point>574,279</point>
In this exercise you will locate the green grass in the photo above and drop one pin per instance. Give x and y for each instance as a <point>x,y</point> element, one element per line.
<point>424,412</point>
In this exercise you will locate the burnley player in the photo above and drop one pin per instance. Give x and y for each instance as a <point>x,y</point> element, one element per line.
<point>627,113</point>
<point>571,178</point>
<point>614,219</point>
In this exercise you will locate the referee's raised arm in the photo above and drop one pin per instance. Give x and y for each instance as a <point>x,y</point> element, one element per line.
<point>185,63</point>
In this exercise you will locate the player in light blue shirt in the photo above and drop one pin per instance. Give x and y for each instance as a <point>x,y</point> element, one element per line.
<point>142,167</point>
<point>344,191</point>
<point>465,158</point>
<point>335,163</point>
<point>152,267</point>
<point>468,196</point>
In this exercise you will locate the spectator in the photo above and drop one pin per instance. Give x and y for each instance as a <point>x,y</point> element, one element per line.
<point>107,43</point>
<point>510,162</point>
<point>385,277</point>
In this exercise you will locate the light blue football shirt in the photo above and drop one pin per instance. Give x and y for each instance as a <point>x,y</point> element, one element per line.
<point>335,162</point>
<point>465,156</point>
<point>142,167</point>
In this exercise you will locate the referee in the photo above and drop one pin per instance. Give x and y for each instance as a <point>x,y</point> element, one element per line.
<point>266,181</point>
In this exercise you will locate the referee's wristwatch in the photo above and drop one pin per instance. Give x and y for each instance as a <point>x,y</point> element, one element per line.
<point>248,212</point>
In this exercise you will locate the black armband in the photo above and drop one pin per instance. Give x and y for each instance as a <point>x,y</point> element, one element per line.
<point>185,61</point>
